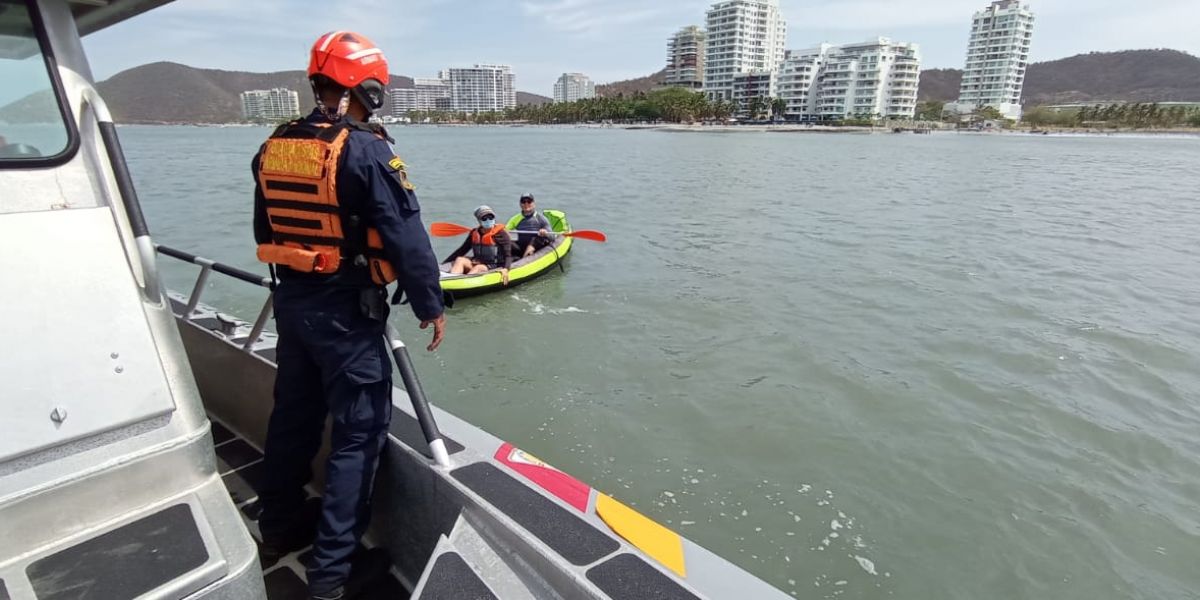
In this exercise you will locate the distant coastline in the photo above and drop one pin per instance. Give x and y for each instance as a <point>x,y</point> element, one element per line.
<point>1024,132</point>
<point>1181,132</point>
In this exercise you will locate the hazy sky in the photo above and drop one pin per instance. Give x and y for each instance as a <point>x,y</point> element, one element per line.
<point>605,39</point>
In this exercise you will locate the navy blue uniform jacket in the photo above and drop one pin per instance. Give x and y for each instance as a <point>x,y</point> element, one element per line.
<point>370,185</point>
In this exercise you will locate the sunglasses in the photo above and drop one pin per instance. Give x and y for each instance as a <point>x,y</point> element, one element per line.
<point>527,201</point>
<point>486,217</point>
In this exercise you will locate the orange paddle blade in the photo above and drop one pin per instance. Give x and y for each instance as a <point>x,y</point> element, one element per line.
<point>588,234</point>
<point>447,229</point>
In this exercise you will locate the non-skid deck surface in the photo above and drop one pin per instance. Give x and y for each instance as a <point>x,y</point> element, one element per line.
<point>567,534</point>
<point>627,577</point>
<point>452,579</point>
<point>241,469</point>
<point>125,562</point>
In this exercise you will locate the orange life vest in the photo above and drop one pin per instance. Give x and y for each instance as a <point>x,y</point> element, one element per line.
<point>311,232</point>
<point>484,245</point>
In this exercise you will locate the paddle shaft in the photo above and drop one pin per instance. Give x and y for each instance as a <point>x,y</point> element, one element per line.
<point>583,234</point>
<point>440,229</point>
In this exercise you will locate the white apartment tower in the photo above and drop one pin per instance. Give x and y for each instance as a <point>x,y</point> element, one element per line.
<point>749,85</point>
<point>997,57</point>
<point>797,81</point>
<point>424,95</point>
<point>874,79</point>
<point>482,88</point>
<point>685,58</point>
<point>743,36</point>
<point>877,78</point>
<point>276,103</point>
<point>573,86</point>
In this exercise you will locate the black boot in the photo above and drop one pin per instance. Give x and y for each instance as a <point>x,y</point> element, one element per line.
<point>367,568</point>
<point>276,545</point>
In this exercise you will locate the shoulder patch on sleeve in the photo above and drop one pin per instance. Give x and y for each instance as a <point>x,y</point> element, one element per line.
<point>399,169</point>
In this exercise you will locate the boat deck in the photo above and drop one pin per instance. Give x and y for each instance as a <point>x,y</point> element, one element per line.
<point>241,468</point>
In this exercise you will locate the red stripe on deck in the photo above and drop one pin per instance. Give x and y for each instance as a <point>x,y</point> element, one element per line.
<point>570,490</point>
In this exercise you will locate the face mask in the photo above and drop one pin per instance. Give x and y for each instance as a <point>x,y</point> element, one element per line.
<point>490,223</point>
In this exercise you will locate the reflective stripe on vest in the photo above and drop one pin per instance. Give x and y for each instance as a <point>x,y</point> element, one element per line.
<point>298,179</point>
<point>484,246</point>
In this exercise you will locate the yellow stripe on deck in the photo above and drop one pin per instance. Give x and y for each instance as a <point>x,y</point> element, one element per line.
<point>660,543</point>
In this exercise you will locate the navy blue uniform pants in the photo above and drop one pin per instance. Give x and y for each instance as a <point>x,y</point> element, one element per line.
<point>332,360</point>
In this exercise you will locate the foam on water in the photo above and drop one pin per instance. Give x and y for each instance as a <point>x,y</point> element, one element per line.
<point>866,564</point>
<point>537,308</point>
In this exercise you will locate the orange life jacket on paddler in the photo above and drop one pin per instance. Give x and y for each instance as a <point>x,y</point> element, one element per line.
<point>310,231</point>
<point>484,245</point>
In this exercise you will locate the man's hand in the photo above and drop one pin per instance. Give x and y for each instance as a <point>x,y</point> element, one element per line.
<point>542,232</point>
<point>504,276</point>
<point>439,331</point>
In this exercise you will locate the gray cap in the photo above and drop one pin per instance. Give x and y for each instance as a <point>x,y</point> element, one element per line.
<point>483,210</point>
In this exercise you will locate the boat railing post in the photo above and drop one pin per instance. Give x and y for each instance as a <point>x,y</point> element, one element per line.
<point>206,266</point>
<point>408,375</point>
<point>260,323</point>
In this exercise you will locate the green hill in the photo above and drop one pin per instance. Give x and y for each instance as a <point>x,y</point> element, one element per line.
<point>166,92</point>
<point>632,86</point>
<point>1128,76</point>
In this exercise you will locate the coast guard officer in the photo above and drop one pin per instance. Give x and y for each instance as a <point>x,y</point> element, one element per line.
<point>337,219</point>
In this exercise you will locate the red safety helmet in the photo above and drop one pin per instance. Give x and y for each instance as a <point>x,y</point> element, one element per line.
<point>353,62</point>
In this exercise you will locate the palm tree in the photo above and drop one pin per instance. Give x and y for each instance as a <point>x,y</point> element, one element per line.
<point>779,108</point>
<point>754,106</point>
<point>989,113</point>
<point>1083,115</point>
<point>1108,112</point>
<point>722,110</point>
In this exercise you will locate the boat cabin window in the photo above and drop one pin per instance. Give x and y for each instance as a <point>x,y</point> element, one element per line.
<point>33,126</point>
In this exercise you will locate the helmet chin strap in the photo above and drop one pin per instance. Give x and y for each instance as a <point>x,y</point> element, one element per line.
<point>342,108</point>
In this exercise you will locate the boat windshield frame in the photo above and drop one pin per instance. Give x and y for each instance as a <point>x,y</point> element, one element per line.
<point>60,97</point>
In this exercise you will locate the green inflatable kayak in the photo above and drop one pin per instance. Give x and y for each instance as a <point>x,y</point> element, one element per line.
<point>525,269</point>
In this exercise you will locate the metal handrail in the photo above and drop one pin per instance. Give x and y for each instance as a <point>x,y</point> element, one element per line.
<point>408,374</point>
<point>151,287</point>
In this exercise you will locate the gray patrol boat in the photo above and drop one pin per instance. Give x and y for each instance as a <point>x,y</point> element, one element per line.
<point>132,416</point>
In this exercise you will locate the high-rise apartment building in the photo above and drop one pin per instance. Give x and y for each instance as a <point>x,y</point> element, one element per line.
<point>742,36</point>
<point>874,79</point>
<point>877,78</point>
<point>573,86</point>
<point>482,88</point>
<point>997,57</point>
<point>749,85</point>
<point>272,104</point>
<point>685,58</point>
<point>424,95</point>
<point>797,81</point>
